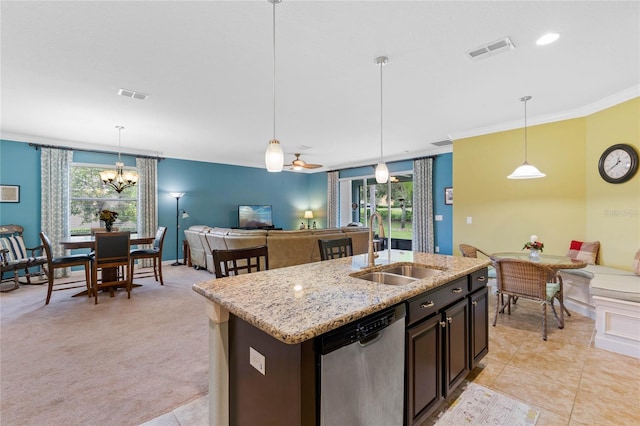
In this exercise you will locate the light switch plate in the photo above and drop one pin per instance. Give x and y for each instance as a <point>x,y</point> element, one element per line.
<point>469,220</point>
<point>438,218</point>
<point>257,360</point>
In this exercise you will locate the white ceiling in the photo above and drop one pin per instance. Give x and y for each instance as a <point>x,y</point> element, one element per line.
<point>207,67</point>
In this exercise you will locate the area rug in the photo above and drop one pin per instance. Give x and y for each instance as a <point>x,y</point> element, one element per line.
<point>119,363</point>
<point>478,405</point>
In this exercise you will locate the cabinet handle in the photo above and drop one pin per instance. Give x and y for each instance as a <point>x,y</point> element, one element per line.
<point>428,304</point>
<point>457,290</point>
<point>482,278</point>
<point>449,319</point>
<point>443,324</point>
<point>474,303</point>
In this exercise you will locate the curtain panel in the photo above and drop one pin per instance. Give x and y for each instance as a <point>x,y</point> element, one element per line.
<point>147,200</point>
<point>55,166</point>
<point>333,191</point>
<point>423,205</point>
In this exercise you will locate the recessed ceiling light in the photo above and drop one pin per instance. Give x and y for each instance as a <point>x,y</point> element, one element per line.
<point>547,39</point>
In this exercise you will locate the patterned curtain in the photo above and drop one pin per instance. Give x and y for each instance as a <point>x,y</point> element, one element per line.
<point>147,199</point>
<point>423,205</point>
<point>333,191</point>
<point>55,166</point>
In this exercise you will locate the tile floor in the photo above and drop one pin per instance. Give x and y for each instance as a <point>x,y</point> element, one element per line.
<point>566,378</point>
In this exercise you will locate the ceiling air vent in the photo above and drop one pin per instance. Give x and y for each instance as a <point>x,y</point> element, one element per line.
<point>491,49</point>
<point>442,143</point>
<point>133,94</point>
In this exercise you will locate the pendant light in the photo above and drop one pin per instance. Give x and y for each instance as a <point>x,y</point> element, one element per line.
<point>382,172</point>
<point>526,170</point>
<point>274,156</point>
<point>118,179</point>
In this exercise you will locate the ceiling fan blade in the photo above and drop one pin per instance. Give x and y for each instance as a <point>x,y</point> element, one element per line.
<point>312,166</point>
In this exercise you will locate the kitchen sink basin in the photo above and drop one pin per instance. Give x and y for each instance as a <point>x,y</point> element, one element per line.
<point>418,272</point>
<point>385,278</point>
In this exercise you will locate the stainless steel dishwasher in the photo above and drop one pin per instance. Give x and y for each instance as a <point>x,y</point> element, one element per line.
<point>362,371</point>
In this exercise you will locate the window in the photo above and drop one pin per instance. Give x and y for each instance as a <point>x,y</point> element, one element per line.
<point>397,207</point>
<point>89,196</point>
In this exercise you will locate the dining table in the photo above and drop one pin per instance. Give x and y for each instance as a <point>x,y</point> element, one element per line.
<point>89,242</point>
<point>552,261</point>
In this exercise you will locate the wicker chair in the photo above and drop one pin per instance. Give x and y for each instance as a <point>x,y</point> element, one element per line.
<point>520,278</point>
<point>232,262</point>
<point>471,251</point>
<point>336,248</point>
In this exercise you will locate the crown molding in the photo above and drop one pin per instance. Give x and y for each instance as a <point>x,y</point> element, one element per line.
<point>602,104</point>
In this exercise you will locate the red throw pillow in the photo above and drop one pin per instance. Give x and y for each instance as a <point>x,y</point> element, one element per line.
<point>585,251</point>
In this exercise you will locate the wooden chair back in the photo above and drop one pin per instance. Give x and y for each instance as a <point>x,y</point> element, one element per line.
<point>112,252</point>
<point>336,248</point>
<point>244,260</point>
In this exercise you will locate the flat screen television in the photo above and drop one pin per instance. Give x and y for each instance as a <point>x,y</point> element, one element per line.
<point>252,216</point>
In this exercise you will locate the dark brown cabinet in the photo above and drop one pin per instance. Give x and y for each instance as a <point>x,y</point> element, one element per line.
<point>479,325</point>
<point>447,335</point>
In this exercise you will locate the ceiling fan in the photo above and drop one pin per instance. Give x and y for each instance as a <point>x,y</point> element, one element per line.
<point>299,164</point>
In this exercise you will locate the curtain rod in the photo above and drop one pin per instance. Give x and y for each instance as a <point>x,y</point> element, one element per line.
<point>97,151</point>
<point>374,165</point>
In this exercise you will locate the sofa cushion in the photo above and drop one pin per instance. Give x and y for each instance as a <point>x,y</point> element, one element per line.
<point>584,251</point>
<point>636,263</point>
<point>615,284</point>
<point>294,232</point>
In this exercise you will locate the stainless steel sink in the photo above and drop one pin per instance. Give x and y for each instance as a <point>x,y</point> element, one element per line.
<point>418,272</point>
<point>385,278</point>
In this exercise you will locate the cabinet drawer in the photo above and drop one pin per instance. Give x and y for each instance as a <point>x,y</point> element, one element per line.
<point>478,280</point>
<point>429,303</point>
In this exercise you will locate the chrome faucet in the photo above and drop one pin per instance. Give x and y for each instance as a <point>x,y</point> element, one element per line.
<point>371,254</point>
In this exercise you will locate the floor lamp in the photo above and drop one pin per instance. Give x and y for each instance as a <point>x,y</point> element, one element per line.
<point>177,196</point>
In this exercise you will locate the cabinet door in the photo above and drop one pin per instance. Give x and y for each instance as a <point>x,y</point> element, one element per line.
<point>456,346</point>
<point>424,369</point>
<point>479,325</point>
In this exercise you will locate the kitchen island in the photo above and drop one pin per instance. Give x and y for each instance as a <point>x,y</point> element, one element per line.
<point>289,308</point>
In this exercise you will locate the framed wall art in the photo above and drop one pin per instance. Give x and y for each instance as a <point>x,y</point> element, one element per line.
<point>9,193</point>
<point>448,195</point>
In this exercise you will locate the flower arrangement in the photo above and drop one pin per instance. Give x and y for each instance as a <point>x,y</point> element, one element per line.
<point>533,244</point>
<point>108,217</point>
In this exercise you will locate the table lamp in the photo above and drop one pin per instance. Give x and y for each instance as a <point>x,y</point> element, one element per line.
<point>308,214</point>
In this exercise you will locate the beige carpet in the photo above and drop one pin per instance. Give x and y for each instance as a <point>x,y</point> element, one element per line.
<point>121,362</point>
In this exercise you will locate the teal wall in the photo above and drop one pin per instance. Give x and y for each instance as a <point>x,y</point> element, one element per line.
<point>212,192</point>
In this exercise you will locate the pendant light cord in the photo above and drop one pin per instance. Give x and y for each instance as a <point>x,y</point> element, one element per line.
<point>274,70</point>
<point>381,156</point>
<point>119,142</point>
<point>525,99</point>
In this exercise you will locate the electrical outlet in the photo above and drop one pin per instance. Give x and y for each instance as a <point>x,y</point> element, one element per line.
<point>437,249</point>
<point>257,360</point>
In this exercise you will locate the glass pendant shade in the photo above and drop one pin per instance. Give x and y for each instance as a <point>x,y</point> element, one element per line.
<point>274,156</point>
<point>526,171</point>
<point>382,173</point>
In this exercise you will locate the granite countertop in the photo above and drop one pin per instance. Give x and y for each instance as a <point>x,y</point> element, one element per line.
<point>297,303</point>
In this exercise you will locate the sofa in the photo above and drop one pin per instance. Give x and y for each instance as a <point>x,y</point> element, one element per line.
<point>611,297</point>
<point>286,248</point>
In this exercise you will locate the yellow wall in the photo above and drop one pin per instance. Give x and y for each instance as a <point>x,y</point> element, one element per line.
<point>571,202</point>
<point>613,211</point>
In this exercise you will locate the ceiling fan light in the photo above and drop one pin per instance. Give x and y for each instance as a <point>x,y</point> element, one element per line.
<point>274,156</point>
<point>382,173</point>
<point>526,171</point>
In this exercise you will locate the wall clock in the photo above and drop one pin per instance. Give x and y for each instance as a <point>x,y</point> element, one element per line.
<point>618,163</point>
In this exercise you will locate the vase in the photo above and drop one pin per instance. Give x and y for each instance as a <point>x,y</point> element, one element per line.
<point>107,226</point>
<point>534,255</point>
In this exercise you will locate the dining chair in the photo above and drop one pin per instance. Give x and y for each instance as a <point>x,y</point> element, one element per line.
<point>68,261</point>
<point>235,261</point>
<point>336,248</point>
<point>468,250</point>
<point>112,251</point>
<point>529,280</point>
<point>154,253</point>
